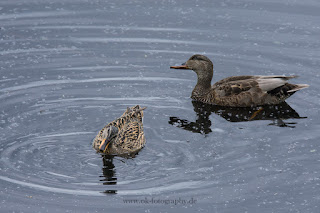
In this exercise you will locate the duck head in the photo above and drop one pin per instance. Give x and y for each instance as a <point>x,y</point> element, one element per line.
<point>200,64</point>
<point>108,135</point>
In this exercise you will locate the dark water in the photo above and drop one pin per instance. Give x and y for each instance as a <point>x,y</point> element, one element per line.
<point>69,67</point>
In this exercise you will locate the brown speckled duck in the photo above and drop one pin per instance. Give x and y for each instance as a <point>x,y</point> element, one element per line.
<point>238,91</point>
<point>123,136</point>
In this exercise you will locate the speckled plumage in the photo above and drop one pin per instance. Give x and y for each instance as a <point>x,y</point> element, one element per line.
<point>127,137</point>
<point>238,91</point>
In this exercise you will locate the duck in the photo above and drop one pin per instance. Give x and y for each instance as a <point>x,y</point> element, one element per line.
<point>123,136</point>
<point>238,91</point>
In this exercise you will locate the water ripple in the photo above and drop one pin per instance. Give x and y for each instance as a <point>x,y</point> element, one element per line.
<point>52,189</point>
<point>33,50</point>
<point>108,27</point>
<point>35,15</point>
<point>143,40</point>
<point>72,81</point>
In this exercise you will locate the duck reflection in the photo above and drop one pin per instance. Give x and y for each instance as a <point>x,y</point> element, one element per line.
<point>276,113</point>
<point>108,173</point>
<point>109,176</point>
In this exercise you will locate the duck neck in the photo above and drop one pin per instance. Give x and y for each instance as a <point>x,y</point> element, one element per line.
<point>203,85</point>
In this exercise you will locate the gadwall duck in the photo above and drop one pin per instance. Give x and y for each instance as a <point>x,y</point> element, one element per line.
<point>238,91</point>
<point>123,136</point>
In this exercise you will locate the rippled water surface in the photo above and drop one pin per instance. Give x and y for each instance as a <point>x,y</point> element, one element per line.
<point>70,67</point>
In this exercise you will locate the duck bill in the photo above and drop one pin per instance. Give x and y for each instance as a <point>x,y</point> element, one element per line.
<point>104,145</point>
<point>185,67</point>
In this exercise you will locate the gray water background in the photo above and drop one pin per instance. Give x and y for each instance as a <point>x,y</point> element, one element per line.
<point>68,68</point>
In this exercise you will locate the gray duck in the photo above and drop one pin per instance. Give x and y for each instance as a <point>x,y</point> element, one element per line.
<point>123,136</point>
<point>238,91</point>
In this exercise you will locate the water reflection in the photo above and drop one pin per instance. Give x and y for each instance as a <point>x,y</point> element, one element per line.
<point>109,177</point>
<point>276,113</point>
<point>108,173</point>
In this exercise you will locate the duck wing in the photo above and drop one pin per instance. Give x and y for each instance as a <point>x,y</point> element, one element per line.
<point>255,84</point>
<point>234,85</point>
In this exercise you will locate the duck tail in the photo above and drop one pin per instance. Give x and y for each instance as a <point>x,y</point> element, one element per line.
<point>298,87</point>
<point>141,109</point>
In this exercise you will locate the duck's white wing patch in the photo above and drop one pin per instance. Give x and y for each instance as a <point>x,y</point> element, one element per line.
<point>267,84</point>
